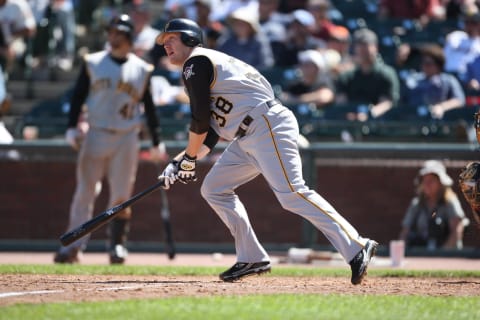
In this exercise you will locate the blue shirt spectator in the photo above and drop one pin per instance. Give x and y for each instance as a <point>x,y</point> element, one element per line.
<point>438,91</point>
<point>472,81</point>
<point>434,89</point>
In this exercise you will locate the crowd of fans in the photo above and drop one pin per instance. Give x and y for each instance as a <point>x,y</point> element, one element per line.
<point>356,60</point>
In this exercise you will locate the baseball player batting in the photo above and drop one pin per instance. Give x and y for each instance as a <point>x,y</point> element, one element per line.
<point>112,84</point>
<point>232,100</point>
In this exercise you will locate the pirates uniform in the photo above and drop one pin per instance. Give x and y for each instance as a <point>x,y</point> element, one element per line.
<point>112,90</point>
<point>263,135</point>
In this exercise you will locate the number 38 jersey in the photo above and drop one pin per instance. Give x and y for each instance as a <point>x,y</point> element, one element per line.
<point>235,89</point>
<point>115,91</point>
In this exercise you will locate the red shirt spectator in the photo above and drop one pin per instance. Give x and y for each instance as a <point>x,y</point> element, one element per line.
<point>411,9</point>
<point>323,24</point>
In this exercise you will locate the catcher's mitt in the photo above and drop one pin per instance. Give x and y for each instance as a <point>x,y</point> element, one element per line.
<point>469,181</point>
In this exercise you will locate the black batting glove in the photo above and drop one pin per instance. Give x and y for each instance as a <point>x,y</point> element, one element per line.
<point>186,169</point>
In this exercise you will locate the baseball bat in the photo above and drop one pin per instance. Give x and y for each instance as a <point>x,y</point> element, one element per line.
<point>107,215</point>
<point>165,212</point>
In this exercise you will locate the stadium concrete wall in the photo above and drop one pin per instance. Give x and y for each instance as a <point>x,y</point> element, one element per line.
<point>35,199</point>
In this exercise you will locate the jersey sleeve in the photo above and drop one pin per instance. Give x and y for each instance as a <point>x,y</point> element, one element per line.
<point>79,95</point>
<point>151,116</point>
<point>198,75</point>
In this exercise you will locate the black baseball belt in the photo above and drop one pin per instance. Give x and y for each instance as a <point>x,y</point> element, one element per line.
<point>252,115</point>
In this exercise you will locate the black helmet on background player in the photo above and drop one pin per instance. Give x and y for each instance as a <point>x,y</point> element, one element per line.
<point>124,24</point>
<point>190,33</point>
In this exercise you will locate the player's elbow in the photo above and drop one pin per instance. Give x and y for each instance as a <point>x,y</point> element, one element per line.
<point>199,127</point>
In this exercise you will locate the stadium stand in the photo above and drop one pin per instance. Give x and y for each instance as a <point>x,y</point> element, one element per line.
<point>49,114</point>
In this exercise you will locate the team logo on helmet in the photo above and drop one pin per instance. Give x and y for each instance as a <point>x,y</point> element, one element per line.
<point>188,72</point>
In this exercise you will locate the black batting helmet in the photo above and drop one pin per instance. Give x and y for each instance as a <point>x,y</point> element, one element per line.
<point>190,33</point>
<point>122,23</point>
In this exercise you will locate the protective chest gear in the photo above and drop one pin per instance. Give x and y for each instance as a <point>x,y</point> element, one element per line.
<point>476,124</point>
<point>469,181</point>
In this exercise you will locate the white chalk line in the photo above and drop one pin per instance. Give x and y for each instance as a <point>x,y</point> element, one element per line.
<point>37,292</point>
<point>26,293</point>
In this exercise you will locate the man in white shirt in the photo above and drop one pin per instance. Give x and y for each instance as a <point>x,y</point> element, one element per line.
<point>16,22</point>
<point>5,136</point>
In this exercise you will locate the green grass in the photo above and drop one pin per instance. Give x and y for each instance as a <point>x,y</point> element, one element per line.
<point>281,306</point>
<point>208,271</point>
<point>270,307</point>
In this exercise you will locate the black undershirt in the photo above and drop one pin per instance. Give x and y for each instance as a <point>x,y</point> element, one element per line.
<point>198,75</point>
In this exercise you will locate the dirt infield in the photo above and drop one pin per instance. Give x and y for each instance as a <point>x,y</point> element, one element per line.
<point>75,288</point>
<point>69,288</point>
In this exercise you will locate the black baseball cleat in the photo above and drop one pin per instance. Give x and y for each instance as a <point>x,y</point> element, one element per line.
<point>360,262</point>
<point>243,269</point>
<point>118,254</point>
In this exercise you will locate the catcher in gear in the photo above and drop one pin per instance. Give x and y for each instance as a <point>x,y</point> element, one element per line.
<point>469,179</point>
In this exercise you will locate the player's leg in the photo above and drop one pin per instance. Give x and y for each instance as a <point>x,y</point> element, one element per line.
<point>277,135</point>
<point>230,171</point>
<point>121,175</point>
<point>89,173</point>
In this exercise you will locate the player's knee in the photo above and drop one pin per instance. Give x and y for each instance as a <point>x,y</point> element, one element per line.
<point>288,201</point>
<point>210,190</point>
<point>205,190</point>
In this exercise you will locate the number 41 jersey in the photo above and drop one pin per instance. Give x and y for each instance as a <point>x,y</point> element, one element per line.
<point>115,91</point>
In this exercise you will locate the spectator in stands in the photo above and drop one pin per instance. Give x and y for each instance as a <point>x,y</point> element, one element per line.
<point>420,10</point>
<point>323,24</point>
<point>435,217</point>
<point>56,25</point>
<point>315,85</point>
<point>212,29</point>
<point>41,10</point>
<point>65,19</point>
<point>245,40</point>
<point>289,6</point>
<point>272,24</point>
<point>455,8</point>
<point>432,88</point>
<point>222,9</point>
<point>16,24</point>
<point>339,41</point>
<point>5,136</point>
<point>463,46</point>
<point>165,93</point>
<point>299,38</point>
<point>372,87</point>
<point>145,34</point>
<point>472,76</point>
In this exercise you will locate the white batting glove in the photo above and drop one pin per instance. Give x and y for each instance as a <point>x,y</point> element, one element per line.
<point>72,136</point>
<point>186,169</point>
<point>159,152</point>
<point>170,174</point>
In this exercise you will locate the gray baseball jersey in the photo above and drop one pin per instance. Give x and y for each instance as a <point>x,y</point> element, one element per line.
<point>111,146</point>
<point>115,92</point>
<point>268,147</point>
<point>235,84</point>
